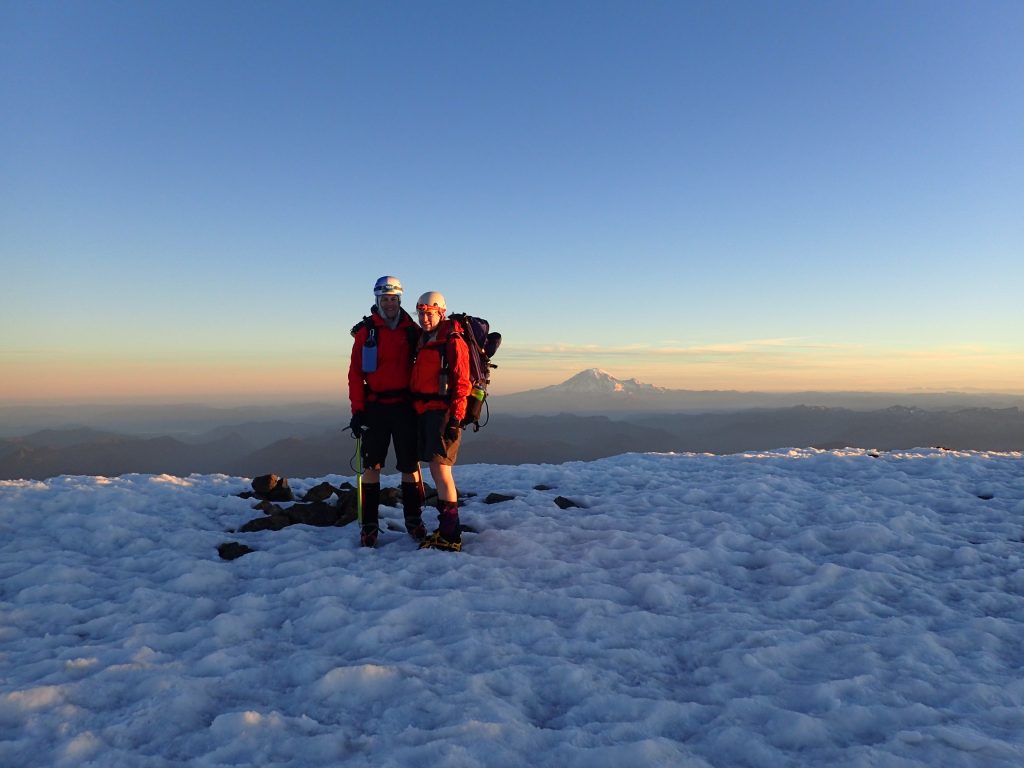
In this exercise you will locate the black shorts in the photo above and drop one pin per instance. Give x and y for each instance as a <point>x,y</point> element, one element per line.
<point>430,438</point>
<point>387,422</point>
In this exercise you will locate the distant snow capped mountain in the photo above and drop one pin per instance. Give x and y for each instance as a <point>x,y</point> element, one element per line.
<point>591,391</point>
<point>595,391</point>
<point>595,381</point>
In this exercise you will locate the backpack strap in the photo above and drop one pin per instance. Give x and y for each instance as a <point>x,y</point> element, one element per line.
<point>413,337</point>
<point>411,334</point>
<point>442,351</point>
<point>443,348</point>
<point>371,330</point>
<point>366,321</point>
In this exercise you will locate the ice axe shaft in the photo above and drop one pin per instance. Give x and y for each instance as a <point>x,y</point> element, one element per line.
<point>359,478</point>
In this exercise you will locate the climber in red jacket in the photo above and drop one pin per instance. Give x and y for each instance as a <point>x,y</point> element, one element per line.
<point>440,383</point>
<point>382,409</point>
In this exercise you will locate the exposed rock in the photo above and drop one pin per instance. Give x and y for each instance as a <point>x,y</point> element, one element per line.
<point>264,484</point>
<point>281,491</point>
<point>232,550</point>
<point>272,488</point>
<point>564,503</point>
<point>321,492</point>
<point>347,516</point>
<point>543,488</point>
<point>268,507</point>
<point>316,510</point>
<point>497,498</point>
<point>319,514</point>
<point>347,507</point>
<point>269,523</point>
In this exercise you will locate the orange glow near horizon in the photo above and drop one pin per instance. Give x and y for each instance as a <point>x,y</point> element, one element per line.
<point>169,382</point>
<point>269,378</point>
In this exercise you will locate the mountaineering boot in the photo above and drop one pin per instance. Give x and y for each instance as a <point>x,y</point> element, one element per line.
<point>448,521</point>
<point>412,509</point>
<point>417,531</point>
<point>371,511</point>
<point>437,541</point>
<point>448,535</point>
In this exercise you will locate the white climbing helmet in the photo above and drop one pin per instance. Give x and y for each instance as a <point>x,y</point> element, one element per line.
<point>389,285</point>
<point>431,299</point>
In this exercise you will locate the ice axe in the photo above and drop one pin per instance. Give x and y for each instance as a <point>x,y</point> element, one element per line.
<point>358,435</point>
<point>359,478</point>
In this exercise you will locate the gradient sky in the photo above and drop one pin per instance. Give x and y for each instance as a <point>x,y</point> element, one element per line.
<point>196,197</point>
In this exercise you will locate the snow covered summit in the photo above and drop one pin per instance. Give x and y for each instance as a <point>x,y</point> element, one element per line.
<point>591,390</point>
<point>595,381</point>
<point>787,608</point>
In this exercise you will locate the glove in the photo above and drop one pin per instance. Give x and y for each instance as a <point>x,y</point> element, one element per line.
<point>451,431</point>
<point>356,424</point>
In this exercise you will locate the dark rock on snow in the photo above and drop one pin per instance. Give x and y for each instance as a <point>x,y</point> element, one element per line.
<point>321,492</point>
<point>497,498</point>
<point>232,550</point>
<point>269,523</point>
<point>272,488</point>
<point>316,509</point>
<point>267,506</point>
<point>564,503</point>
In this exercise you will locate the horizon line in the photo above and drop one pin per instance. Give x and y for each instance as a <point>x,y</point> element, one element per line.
<point>227,402</point>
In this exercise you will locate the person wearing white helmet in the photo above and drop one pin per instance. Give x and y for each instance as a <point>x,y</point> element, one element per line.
<point>440,383</point>
<point>382,411</point>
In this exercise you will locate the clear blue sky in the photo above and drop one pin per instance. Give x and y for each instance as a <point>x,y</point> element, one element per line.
<point>197,197</point>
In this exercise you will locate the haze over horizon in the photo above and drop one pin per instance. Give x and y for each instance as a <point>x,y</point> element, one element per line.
<point>796,197</point>
<point>340,396</point>
<point>588,416</point>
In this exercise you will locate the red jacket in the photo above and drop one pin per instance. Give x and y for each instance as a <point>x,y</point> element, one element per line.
<point>390,382</point>
<point>426,372</point>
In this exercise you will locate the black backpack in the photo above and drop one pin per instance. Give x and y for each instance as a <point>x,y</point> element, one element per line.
<point>482,343</point>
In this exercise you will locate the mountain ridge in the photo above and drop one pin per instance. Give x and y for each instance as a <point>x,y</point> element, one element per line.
<point>595,391</point>
<point>517,439</point>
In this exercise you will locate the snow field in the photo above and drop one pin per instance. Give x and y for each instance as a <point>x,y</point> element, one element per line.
<point>796,607</point>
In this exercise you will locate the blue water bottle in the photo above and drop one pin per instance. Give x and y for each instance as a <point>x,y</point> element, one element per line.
<point>370,352</point>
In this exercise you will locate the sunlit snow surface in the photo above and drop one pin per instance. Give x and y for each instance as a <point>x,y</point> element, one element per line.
<point>779,609</point>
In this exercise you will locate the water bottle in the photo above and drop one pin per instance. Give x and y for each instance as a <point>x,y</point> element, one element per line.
<point>474,404</point>
<point>370,353</point>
